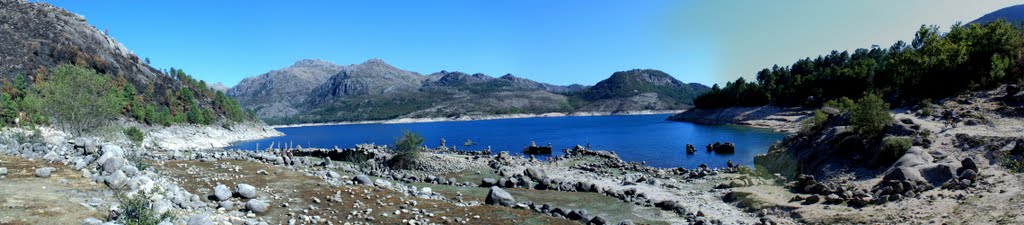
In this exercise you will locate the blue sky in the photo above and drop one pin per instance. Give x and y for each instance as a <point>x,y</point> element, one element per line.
<point>559,42</point>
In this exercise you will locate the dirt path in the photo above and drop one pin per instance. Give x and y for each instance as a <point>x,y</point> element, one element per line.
<point>62,198</point>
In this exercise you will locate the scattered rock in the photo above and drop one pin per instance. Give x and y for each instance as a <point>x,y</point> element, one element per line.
<point>246,191</point>
<point>497,196</point>
<point>363,180</point>
<point>488,182</point>
<point>199,219</point>
<point>45,171</point>
<point>116,180</point>
<point>113,164</point>
<point>91,221</point>
<point>256,206</point>
<point>221,193</point>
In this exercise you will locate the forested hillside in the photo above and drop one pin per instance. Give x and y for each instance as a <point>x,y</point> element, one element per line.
<point>934,64</point>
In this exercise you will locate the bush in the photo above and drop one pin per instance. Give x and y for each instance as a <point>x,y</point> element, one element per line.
<point>811,123</point>
<point>894,147</point>
<point>134,134</point>
<point>926,107</point>
<point>80,99</point>
<point>844,104</point>
<point>407,150</point>
<point>870,116</point>
<point>137,210</point>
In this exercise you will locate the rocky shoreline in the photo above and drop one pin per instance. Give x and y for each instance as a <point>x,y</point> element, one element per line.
<point>192,137</point>
<point>483,117</point>
<point>684,196</point>
<point>770,117</point>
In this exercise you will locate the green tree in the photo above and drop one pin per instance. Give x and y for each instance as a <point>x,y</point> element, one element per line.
<point>79,99</point>
<point>407,150</point>
<point>871,115</point>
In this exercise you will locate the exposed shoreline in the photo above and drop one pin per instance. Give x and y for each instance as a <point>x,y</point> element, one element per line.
<point>778,119</point>
<point>481,117</point>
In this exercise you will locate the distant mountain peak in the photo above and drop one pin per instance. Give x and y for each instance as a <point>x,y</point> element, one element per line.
<point>1011,14</point>
<point>375,61</point>
<point>311,63</point>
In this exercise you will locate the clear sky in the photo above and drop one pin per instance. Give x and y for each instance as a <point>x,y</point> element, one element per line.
<point>559,42</point>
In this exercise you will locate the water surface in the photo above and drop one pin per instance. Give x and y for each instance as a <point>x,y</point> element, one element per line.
<point>647,138</point>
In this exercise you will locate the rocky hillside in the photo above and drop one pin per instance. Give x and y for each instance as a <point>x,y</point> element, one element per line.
<point>375,90</point>
<point>36,38</point>
<point>277,93</point>
<point>641,90</point>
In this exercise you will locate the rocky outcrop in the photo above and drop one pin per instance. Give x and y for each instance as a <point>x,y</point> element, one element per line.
<point>835,146</point>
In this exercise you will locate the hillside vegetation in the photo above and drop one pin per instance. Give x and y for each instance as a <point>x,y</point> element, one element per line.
<point>79,99</point>
<point>935,64</point>
<point>63,71</point>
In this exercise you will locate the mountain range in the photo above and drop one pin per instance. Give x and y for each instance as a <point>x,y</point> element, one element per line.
<point>316,91</point>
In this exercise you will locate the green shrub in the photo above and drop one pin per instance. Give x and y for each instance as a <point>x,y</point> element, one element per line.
<point>844,104</point>
<point>870,116</point>
<point>137,210</point>
<point>407,150</point>
<point>134,134</point>
<point>894,147</point>
<point>813,122</point>
<point>926,107</point>
<point>80,99</point>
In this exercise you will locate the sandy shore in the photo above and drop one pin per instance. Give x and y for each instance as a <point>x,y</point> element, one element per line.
<point>482,117</point>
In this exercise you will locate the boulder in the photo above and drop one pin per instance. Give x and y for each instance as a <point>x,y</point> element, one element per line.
<point>45,171</point>
<point>116,180</point>
<point>574,215</point>
<point>727,147</point>
<point>256,206</point>
<point>969,164</point>
<point>362,180</point>
<point>812,199</point>
<point>332,174</point>
<point>904,174</point>
<point>3,171</point>
<point>833,199</point>
<point>937,174</point>
<point>246,191</point>
<point>497,196</point>
<point>488,182</point>
<point>535,174</point>
<point>113,150</point>
<point>597,220</point>
<point>915,156</point>
<point>91,221</point>
<point>969,174</point>
<point>221,193</point>
<point>200,219</point>
<point>113,164</point>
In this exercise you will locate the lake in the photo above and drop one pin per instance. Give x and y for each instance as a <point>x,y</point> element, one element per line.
<point>647,138</point>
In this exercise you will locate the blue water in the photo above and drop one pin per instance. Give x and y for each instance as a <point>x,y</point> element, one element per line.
<point>648,138</point>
